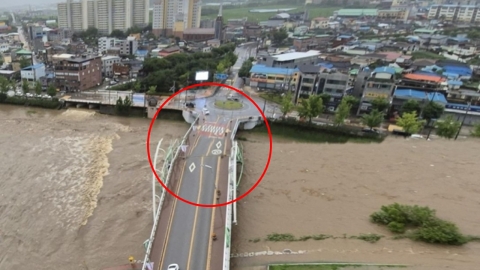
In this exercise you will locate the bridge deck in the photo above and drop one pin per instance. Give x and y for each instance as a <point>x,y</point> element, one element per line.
<point>167,237</point>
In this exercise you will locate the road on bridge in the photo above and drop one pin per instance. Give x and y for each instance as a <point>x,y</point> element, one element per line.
<point>188,229</point>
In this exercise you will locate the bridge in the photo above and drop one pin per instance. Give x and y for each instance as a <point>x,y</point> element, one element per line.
<point>201,168</point>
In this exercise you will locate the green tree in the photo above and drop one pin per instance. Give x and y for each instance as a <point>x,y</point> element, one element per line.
<point>152,90</point>
<point>351,100</point>
<point>325,98</point>
<point>25,87</point>
<point>123,106</point>
<point>245,69</point>
<point>24,62</point>
<point>286,104</point>
<point>279,35</point>
<point>411,105</point>
<point>137,86</point>
<point>118,34</point>
<point>373,119</point>
<point>38,88</point>
<point>311,107</point>
<point>448,127</point>
<point>432,110</point>
<point>380,104</point>
<point>221,67</point>
<point>51,91</point>
<point>410,122</point>
<point>476,130</point>
<point>342,113</point>
<point>4,84</point>
<point>1,60</point>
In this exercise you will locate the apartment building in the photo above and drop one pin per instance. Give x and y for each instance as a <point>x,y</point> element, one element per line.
<point>105,15</point>
<point>379,84</point>
<point>77,73</point>
<point>455,13</point>
<point>170,16</point>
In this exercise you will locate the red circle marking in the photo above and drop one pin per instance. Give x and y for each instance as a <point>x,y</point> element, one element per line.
<point>220,204</point>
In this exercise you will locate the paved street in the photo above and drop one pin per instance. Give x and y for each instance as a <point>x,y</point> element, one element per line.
<point>188,242</point>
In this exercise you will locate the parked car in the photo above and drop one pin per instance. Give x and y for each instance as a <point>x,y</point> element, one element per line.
<point>206,111</point>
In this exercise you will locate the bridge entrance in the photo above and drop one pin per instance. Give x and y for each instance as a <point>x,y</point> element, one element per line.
<point>212,130</point>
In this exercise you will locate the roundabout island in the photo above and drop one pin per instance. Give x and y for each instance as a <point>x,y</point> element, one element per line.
<point>228,105</point>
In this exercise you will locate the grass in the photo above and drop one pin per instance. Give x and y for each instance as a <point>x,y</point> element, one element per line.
<point>288,237</point>
<point>228,105</point>
<point>272,98</point>
<point>330,266</point>
<point>242,12</point>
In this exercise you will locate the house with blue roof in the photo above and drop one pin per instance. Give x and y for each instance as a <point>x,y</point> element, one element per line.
<point>33,73</point>
<point>265,77</point>
<point>402,95</point>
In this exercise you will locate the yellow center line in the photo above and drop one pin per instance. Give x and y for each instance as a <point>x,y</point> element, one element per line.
<point>160,265</point>
<point>196,214</point>
<point>196,210</point>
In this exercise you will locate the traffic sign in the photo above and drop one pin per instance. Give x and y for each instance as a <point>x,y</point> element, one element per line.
<point>221,76</point>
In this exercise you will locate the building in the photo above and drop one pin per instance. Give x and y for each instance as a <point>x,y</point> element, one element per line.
<point>401,96</point>
<point>219,25</point>
<point>252,31</point>
<point>170,16</point>
<point>74,73</point>
<point>454,13</point>
<point>379,84</point>
<point>107,64</point>
<point>290,60</point>
<point>334,84</point>
<point>105,15</point>
<point>105,43</point>
<point>128,46</point>
<point>198,34</point>
<point>264,77</point>
<point>319,23</point>
<point>306,81</point>
<point>33,73</point>
<point>392,14</point>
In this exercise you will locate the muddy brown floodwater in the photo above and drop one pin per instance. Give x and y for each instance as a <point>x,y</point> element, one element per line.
<point>75,188</point>
<point>331,189</point>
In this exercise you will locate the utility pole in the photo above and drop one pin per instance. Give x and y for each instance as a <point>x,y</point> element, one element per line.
<point>264,105</point>
<point>463,121</point>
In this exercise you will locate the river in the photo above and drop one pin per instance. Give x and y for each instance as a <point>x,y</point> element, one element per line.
<point>75,190</point>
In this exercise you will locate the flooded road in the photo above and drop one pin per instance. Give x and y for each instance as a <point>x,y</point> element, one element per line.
<point>75,189</point>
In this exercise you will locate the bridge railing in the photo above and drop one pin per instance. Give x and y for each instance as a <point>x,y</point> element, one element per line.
<point>231,194</point>
<point>162,197</point>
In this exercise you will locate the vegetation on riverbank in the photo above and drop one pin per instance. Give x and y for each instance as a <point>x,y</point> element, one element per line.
<point>420,224</point>
<point>33,102</point>
<point>314,133</point>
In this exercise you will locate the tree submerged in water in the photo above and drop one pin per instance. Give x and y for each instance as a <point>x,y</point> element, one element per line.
<point>123,106</point>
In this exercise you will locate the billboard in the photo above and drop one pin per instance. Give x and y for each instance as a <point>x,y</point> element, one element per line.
<point>201,76</point>
<point>138,100</point>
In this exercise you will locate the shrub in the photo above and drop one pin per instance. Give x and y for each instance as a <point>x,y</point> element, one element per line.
<point>34,102</point>
<point>276,237</point>
<point>3,97</point>
<point>371,238</point>
<point>396,227</point>
<point>425,225</point>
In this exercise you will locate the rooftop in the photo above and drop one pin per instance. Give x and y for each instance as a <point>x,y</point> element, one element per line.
<point>23,51</point>
<point>389,70</point>
<point>34,67</point>
<point>411,93</point>
<point>199,31</point>
<point>262,69</point>
<point>421,77</point>
<point>295,55</point>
